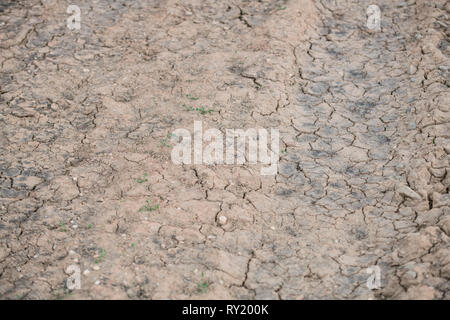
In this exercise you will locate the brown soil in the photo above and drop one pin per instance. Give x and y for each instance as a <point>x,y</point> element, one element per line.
<point>363,177</point>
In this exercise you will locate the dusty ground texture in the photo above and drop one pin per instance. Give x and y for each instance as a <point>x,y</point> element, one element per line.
<point>364,171</point>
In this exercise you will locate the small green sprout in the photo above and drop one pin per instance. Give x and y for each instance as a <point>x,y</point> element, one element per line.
<point>190,97</point>
<point>148,207</point>
<point>62,227</point>
<point>143,179</point>
<point>202,110</point>
<point>203,285</point>
<point>164,141</point>
<point>101,255</point>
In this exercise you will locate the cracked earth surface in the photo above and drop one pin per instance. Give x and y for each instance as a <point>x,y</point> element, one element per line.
<point>363,177</point>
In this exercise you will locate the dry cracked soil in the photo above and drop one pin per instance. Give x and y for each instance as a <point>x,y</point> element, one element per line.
<point>86,176</point>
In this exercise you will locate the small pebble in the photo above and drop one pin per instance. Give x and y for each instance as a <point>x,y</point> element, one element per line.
<point>96,268</point>
<point>86,272</point>
<point>222,220</point>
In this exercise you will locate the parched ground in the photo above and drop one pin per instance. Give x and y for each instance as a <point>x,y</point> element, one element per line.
<point>86,177</point>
